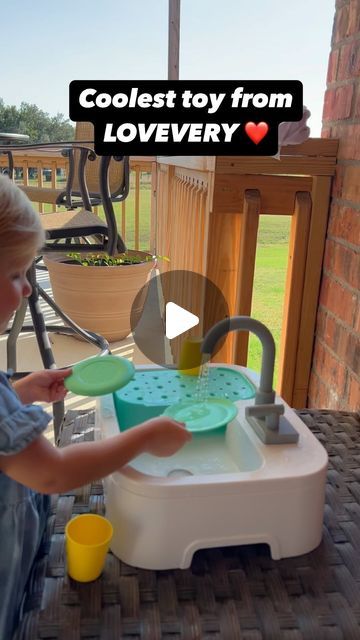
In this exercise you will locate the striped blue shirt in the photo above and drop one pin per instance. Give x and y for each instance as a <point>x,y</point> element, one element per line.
<point>23,512</point>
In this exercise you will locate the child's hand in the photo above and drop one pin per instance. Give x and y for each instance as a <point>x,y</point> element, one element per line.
<point>164,436</point>
<point>42,386</point>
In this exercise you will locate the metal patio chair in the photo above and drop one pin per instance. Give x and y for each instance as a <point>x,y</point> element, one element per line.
<point>91,181</point>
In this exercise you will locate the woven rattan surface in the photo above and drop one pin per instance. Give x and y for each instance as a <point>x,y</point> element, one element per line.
<point>229,594</point>
<point>72,219</point>
<point>85,131</point>
<point>42,194</point>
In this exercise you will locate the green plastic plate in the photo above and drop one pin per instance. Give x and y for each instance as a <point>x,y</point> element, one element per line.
<point>99,375</point>
<point>201,417</point>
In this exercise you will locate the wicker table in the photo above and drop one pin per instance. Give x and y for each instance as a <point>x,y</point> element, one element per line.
<point>227,594</point>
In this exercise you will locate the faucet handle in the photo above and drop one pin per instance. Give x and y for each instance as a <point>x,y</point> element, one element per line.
<point>271,413</point>
<point>270,425</point>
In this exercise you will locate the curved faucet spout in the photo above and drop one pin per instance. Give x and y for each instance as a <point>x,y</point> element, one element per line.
<point>265,393</point>
<point>265,417</point>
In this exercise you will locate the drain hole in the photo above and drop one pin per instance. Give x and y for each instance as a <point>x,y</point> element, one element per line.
<point>178,473</point>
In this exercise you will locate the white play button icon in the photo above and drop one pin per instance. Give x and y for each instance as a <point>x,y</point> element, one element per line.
<point>164,316</point>
<point>178,320</point>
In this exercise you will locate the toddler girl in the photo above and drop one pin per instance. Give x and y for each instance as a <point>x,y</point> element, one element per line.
<point>30,467</point>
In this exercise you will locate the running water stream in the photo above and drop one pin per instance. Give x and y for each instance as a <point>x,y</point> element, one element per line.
<point>202,385</point>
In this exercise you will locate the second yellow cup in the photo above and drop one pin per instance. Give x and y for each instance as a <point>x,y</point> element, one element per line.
<point>190,356</point>
<point>88,538</point>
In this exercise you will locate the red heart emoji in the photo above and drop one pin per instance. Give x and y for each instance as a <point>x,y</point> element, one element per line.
<point>256,132</point>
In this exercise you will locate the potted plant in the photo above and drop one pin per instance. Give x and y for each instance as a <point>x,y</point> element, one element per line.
<point>96,290</point>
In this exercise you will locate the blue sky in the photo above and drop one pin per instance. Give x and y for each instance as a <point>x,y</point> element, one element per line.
<point>45,45</point>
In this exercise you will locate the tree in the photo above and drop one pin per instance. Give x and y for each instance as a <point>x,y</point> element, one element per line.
<point>40,126</point>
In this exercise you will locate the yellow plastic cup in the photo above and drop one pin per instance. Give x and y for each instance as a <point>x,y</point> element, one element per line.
<point>88,538</point>
<point>190,357</point>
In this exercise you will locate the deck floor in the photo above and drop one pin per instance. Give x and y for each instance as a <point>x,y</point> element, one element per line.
<point>230,593</point>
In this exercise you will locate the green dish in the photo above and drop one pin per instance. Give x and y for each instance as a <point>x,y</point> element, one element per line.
<point>99,375</point>
<point>201,417</point>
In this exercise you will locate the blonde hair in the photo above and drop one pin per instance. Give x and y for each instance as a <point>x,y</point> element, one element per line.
<point>20,225</point>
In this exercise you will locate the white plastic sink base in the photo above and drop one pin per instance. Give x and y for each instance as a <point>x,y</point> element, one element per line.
<point>217,491</point>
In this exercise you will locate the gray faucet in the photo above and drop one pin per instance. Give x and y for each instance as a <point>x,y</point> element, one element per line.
<point>264,416</point>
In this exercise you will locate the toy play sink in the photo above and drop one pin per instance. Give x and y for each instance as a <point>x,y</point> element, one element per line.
<point>152,390</point>
<point>221,489</point>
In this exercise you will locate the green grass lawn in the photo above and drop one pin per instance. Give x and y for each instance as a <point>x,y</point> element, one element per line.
<point>144,219</point>
<point>270,270</point>
<point>269,283</point>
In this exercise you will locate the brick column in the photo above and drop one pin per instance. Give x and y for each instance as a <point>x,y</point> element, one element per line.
<point>335,377</point>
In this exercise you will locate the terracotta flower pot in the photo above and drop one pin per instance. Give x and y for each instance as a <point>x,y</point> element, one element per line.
<point>98,298</point>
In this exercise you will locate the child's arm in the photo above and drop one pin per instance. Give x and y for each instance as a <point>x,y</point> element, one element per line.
<point>42,386</point>
<point>48,469</point>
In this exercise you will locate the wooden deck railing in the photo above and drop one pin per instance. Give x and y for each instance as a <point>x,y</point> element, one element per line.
<point>47,170</point>
<point>207,220</point>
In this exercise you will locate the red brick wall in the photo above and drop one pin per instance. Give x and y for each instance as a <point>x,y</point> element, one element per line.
<point>335,376</point>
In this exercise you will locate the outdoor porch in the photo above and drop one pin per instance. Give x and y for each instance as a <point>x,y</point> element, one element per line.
<point>205,214</point>
<point>216,216</point>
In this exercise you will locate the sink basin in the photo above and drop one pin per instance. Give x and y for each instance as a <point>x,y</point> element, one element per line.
<point>213,454</point>
<point>221,489</point>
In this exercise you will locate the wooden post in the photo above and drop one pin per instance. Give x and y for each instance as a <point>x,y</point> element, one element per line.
<point>137,206</point>
<point>320,196</point>
<point>249,225</point>
<point>53,181</point>
<point>153,209</point>
<point>294,292</point>
<point>40,183</point>
<point>174,37</point>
